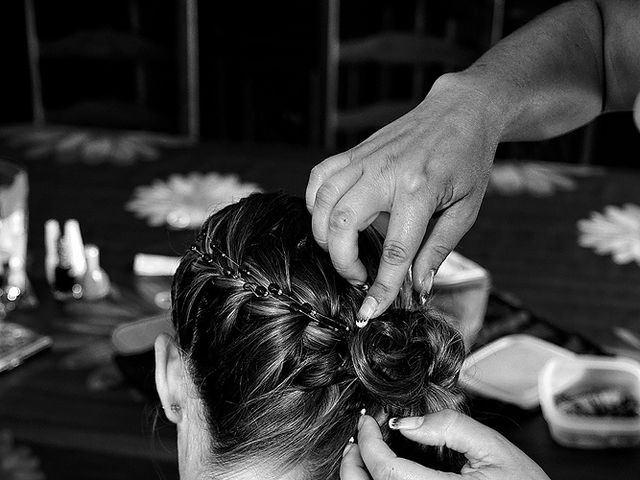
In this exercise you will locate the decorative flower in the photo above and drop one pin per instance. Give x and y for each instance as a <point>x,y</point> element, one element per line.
<point>90,145</point>
<point>615,232</point>
<point>535,178</point>
<point>185,201</point>
<point>17,462</point>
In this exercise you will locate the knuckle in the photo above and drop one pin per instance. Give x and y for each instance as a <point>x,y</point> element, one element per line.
<point>316,173</point>
<point>412,183</point>
<point>382,290</point>
<point>344,268</point>
<point>395,253</point>
<point>449,420</point>
<point>343,218</point>
<point>326,195</point>
<point>441,251</point>
<point>351,156</point>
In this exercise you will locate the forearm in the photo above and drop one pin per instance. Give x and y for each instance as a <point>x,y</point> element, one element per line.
<point>546,78</point>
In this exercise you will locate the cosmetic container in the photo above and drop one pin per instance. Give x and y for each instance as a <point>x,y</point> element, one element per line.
<point>592,402</point>
<point>507,369</point>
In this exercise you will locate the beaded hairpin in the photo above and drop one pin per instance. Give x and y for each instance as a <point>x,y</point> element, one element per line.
<point>273,290</point>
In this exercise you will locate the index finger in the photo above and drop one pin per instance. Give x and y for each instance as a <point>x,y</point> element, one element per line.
<point>454,430</point>
<point>383,464</point>
<point>408,223</point>
<point>321,172</point>
<point>352,467</point>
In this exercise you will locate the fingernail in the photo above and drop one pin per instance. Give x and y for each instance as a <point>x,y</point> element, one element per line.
<point>408,423</point>
<point>366,311</point>
<point>427,286</point>
<point>348,447</point>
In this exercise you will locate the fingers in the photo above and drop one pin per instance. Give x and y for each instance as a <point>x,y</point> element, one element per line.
<point>447,231</point>
<point>407,226</point>
<point>321,172</point>
<point>352,467</point>
<point>383,464</point>
<point>328,194</point>
<point>352,214</point>
<point>452,429</point>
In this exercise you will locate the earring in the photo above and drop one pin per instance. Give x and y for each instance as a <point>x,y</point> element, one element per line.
<point>175,408</point>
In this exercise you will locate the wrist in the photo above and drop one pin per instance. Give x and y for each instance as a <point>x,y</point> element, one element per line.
<point>490,100</point>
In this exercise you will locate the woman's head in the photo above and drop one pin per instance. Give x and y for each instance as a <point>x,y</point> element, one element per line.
<point>269,386</point>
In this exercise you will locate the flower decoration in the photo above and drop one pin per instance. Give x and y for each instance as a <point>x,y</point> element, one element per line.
<point>17,462</point>
<point>535,178</point>
<point>615,232</point>
<point>89,145</point>
<point>185,201</point>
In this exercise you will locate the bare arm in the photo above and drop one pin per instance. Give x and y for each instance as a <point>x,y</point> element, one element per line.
<point>562,69</point>
<point>429,169</point>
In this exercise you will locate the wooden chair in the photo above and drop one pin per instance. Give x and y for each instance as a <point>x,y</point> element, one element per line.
<point>188,81</point>
<point>388,49</point>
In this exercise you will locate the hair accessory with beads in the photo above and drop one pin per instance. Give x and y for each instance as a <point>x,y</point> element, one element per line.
<point>252,284</point>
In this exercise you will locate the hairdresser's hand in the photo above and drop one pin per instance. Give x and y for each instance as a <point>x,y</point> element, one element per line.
<point>429,168</point>
<point>489,455</point>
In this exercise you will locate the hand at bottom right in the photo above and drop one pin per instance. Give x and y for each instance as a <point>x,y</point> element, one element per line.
<point>489,455</point>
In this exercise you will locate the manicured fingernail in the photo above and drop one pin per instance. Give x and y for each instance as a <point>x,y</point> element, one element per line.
<point>427,286</point>
<point>366,311</point>
<point>408,423</point>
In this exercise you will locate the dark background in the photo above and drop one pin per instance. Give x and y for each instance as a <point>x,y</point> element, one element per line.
<point>261,69</point>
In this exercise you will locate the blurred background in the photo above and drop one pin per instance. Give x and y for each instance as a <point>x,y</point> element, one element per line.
<point>135,119</point>
<point>261,71</point>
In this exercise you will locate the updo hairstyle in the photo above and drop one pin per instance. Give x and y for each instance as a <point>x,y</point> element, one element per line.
<point>274,383</point>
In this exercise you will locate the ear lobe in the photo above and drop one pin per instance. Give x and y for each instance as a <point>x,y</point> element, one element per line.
<point>169,377</point>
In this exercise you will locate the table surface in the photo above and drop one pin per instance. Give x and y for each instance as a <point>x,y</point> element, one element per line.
<point>527,243</point>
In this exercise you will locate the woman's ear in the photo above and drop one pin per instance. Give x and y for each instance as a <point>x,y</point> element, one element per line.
<point>170,381</point>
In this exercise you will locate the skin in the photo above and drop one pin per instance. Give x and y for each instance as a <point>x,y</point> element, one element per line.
<point>489,455</point>
<point>183,407</point>
<point>429,169</point>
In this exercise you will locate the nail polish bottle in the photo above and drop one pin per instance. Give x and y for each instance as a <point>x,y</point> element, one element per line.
<point>95,283</point>
<point>65,283</point>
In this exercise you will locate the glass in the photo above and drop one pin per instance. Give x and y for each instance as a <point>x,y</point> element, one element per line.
<point>14,188</point>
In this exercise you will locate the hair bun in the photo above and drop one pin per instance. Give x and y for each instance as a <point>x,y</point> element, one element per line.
<point>409,360</point>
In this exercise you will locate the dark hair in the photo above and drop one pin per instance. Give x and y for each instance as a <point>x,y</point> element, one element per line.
<point>274,383</point>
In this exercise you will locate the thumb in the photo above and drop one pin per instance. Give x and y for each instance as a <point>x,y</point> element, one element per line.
<point>352,467</point>
<point>454,430</point>
<point>383,464</point>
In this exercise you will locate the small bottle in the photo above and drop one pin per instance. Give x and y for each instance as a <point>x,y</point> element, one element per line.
<point>65,283</point>
<point>95,282</point>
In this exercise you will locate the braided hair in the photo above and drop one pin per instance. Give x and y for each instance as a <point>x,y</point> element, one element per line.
<point>275,382</point>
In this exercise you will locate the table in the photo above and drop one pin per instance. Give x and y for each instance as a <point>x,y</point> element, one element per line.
<point>528,244</point>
